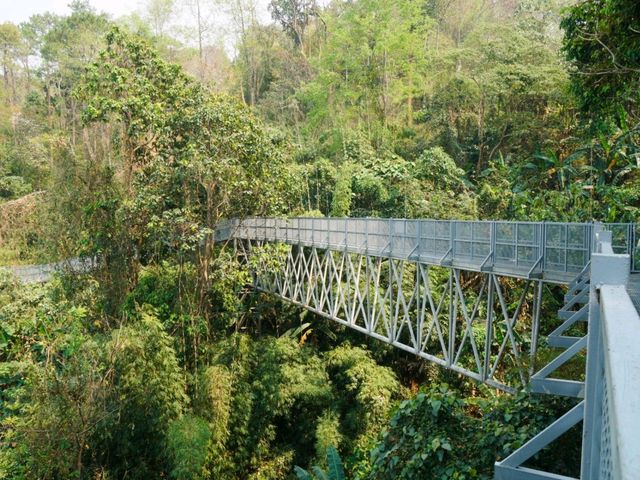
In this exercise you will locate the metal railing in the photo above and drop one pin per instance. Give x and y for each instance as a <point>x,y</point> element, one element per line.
<point>611,444</point>
<point>610,411</point>
<point>44,272</point>
<point>550,250</point>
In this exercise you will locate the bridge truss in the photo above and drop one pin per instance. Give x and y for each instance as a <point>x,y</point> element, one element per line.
<point>463,321</point>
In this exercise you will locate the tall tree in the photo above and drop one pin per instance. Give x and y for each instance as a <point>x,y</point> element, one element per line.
<point>191,158</point>
<point>158,13</point>
<point>602,40</point>
<point>10,51</point>
<point>294,16</point>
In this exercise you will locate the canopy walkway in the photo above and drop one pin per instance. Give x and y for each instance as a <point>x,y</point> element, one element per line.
<point>44,272</point>
<point>468,295</point>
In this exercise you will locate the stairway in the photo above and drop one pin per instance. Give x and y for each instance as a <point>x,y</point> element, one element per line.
<point>574,310</point>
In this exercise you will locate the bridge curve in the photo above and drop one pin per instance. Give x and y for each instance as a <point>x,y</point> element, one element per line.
<point>40,273</point>
<point>373,275</point>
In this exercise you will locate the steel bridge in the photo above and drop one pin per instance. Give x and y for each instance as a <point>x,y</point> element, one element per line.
<point>468,295</point>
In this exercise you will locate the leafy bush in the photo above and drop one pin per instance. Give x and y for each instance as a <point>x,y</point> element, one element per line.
<point>441,436</point>
<point>436,166</point>
<point>187,447</point>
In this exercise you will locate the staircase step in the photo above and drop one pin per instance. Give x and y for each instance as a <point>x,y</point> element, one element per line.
<point>581,297</point>
<point>567,314</point>
<point>556,386</point>
<point>561,341</point>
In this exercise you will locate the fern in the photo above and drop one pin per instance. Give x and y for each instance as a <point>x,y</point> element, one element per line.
<point>320,474</point>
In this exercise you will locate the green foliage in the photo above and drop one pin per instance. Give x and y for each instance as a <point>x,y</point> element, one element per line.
<point>187,443</point>
<point>603,43</point>
<point>214,397</point>
<point>190,158</point>
<point>316,182</point>
<point>327,433</point>
<point>162,362</point>
<point>341,204</point>
<point>335,469</point>
<point>439,435</point>
<point>367,391</point>
<point>13,187</point>
<point>149,389</point>
<point>294,16</point>
<point>439,168</point>
<point>495,192</point>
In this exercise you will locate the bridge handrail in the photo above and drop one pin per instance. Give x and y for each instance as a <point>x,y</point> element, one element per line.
<point>612,402</point>
<point>555,250</point>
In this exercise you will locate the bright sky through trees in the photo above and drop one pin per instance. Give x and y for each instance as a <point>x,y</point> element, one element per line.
<point>17,12</point>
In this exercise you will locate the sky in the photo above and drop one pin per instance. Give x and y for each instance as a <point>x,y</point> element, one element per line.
<point>17,11</point>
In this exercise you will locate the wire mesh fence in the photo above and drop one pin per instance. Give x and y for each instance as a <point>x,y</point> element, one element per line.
<point>551,249</point>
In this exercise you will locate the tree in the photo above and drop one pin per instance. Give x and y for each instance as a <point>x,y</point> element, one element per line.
<point>188,441</point>
<point>159,13</point>
<point>437,434</point>
<point>294,16</point>
<point>602,40</point>
<point>372,85</point>
<point>146,396</point>
<point>10,50</point>
<point>190,158</point>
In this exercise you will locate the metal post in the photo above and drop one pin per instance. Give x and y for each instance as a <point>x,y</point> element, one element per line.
<point>535,326</point>
<point>489,331</point>
<point>452,320</point>
<point>366,236</point>
<point>452,242</point>
<point>610,269</point>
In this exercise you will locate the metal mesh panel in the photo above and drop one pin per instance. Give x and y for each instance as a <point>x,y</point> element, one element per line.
<point>261,230</point>
<point>567,246</point>
<point>357,234</point>
<point>402,242</point>
<point>321,231</point>
<point>621,237</point>
<point>280,230</point>
<point>624,239</point>
<point>528,244</point>
<point>435,238</point>
<point>606,454</point>
<point>471,241</point>
<point>270,228</point>
<point>558,250</point>
<point>337,232</point>
<point>378,235</point>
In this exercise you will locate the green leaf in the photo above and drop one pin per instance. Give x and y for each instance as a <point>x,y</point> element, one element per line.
<point>336,471</point>
<point>302,474</point>
<point>320,473</point>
